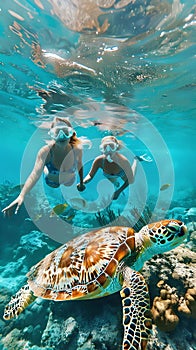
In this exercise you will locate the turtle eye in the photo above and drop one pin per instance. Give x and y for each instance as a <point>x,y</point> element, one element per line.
<point>182,231</point>
<point>175,228</point>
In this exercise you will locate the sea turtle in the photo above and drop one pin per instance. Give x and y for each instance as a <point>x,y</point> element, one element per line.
<point>100,263</point>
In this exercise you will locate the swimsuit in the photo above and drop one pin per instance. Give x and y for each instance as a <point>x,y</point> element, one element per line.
<point>53,170</point>
<point>113,177</point>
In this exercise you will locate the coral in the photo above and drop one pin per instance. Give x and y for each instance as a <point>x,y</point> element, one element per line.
<point>102,220</point>
<point>96,326</point>
<point>176,268</point>
<point>177,213</point>
<point>58,334</point>
<point>191,214</point>
<point>192,235</point>
<point>142,219</point>
<point>179,339</point>
<point>12,275</point>
<point>107,216</point>
<point>33,246</point>
<point>188,303</point>
<point>171,279</point>
<point>12,340</point>
<point>168,308</point>
<point>164,310</point>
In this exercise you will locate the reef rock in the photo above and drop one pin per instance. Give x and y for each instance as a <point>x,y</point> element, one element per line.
<point>58,334</point>
<point>33,246</point>
<point>90,325</point>
<point>171,278</point>
<point>177,213</point>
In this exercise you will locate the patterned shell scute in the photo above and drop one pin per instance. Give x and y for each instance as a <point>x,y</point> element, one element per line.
<point>84,265</point>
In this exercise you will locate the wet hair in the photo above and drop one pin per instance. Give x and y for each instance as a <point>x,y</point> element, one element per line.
<point>114,139</point>
<point>74,140</point>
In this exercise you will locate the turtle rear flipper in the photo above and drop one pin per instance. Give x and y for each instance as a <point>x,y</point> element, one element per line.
<point>19,302</point>
<point>136,310</point>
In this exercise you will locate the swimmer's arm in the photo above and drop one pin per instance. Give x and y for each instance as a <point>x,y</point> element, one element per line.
<point>36,172</point>
<point>30,182</point>
<point>95,166</point>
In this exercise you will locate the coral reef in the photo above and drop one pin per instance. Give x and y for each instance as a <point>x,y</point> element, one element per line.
<point>164,310</point>
<point>134,218</point>
<point>169,307</point>
<point>107,216</point>
<point>97,324</point>
<point>187,304</point>
<point>94,327</point>
<point>141,219</point>
<point>31,245</point>
<point>171,278</point>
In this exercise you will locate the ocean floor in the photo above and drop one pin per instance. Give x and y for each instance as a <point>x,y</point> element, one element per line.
<point>95,324</point>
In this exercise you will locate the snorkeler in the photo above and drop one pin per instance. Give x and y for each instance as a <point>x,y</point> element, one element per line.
<point>59,161</point>
<point>61,66</point>
<point>115,165</point>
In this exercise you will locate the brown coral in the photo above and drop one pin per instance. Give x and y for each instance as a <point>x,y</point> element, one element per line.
<point>168,306</point>
<point>163,311</point>
<point>188,303</point>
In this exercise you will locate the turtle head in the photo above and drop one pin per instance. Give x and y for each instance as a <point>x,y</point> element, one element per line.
<point>163,235</point>
<point>159,237</point>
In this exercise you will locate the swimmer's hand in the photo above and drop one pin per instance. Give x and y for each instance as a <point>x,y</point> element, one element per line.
<point>81,187</point>
<point>13,207</point>
<point>144,158</point>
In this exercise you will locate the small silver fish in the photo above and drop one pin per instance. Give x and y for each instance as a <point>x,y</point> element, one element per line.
<point>164,187</point>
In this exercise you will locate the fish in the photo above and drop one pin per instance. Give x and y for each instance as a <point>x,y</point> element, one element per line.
<point>191,212</point>
<point>78,203</point>
<point>164,187</point>
<point>70,217</point>
<point>37,217</point>
<point>58,209</point>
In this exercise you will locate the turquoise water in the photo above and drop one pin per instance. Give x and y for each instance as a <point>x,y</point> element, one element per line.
<point>134,79</point>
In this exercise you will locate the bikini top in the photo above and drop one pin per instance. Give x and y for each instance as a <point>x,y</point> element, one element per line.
<point>121,173</point>
<point>53,170</point>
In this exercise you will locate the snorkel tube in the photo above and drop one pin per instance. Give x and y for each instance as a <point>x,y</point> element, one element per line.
<point>107,148</point>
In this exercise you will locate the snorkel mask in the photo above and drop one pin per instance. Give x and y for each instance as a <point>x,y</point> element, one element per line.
<point>61,133</point>
<point>108,147</point>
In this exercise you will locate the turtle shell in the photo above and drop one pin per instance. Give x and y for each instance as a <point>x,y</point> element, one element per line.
<point>84,267</point>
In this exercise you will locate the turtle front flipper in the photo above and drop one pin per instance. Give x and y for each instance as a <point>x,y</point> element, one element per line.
<point>19,302</point>
<point>136,310</point>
